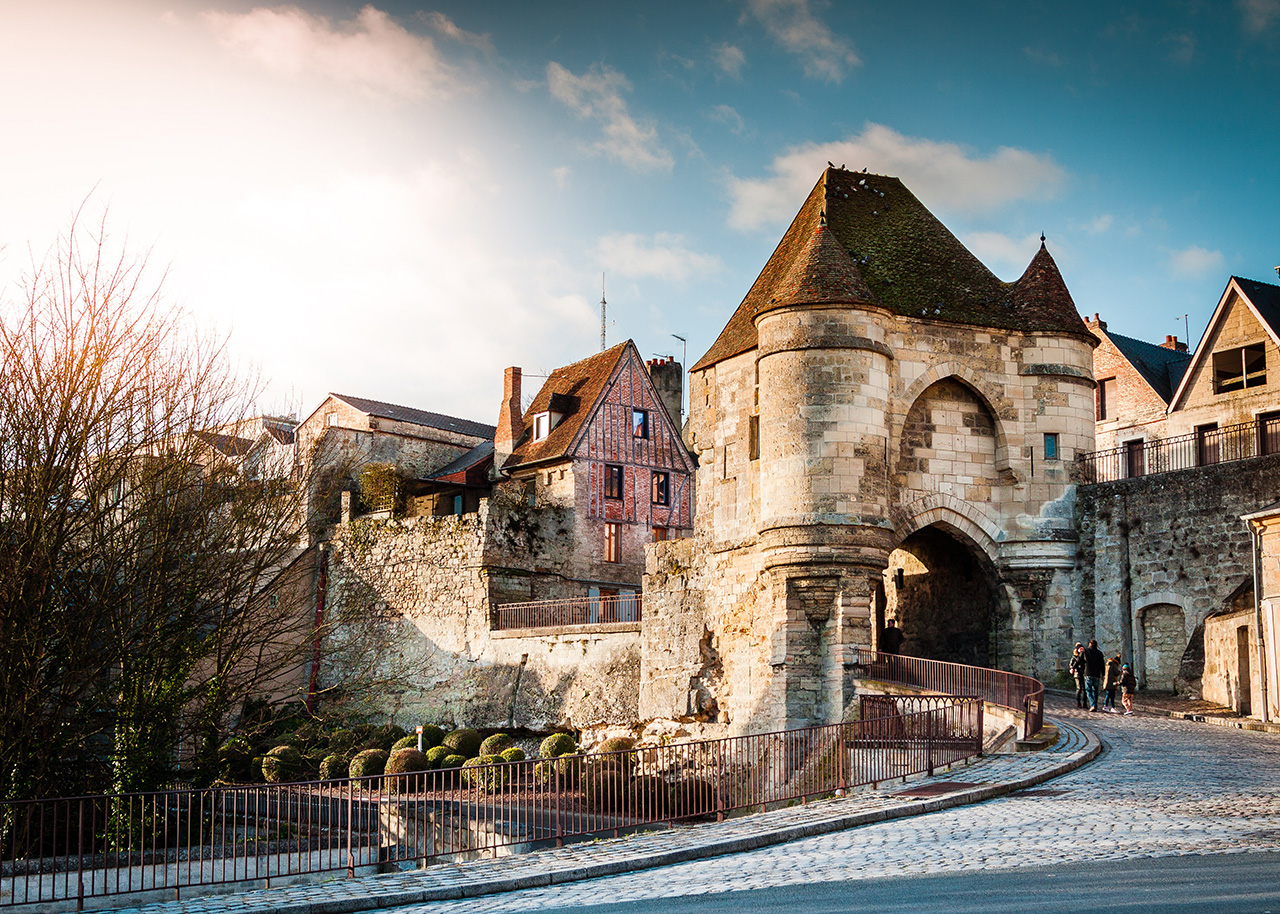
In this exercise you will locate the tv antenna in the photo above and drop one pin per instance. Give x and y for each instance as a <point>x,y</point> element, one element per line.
<point>602,312</point>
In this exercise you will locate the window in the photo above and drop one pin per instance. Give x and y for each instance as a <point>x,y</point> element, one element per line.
<point>1236,369</point>
<point>1207,452</point>
<point>1051,446</point>
<point>639,423</point>
<point>541,426</point>
<point>1269,433</point>
<point>331,419</point>
<point>661,481</point>
<point>612,481</point>
<point>660,534</point>
<point>753,438</point>
<point>457,504</point>
<point>613,542</point>
<point>1135,457</point>
<point>1106,399</point>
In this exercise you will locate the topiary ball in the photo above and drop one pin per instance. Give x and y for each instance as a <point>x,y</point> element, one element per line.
<point>334,767</point>
<point>485,772</point>
<point>617,744</point>
<point>407,742</point>
<point>432,736</point>
<point>557,744</point>
<point>283,763</point>
<point>436,755</point>
<point>452,761</point>
<point>514,754</point>
<point>368,762</point>
<point>255,770</point>
<point>385,737</point>
<point>406,761</point>
<point>342,741</point>
<point>234,757</point>
<point>465,742</point>
<point>651,797</point>
<point>495,744</point>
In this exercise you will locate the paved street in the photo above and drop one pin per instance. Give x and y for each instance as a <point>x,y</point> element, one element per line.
<point>1163,788</point>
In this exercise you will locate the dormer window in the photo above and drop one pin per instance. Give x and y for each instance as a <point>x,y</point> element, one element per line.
<point>541,426</point>
<point>1236,369</point>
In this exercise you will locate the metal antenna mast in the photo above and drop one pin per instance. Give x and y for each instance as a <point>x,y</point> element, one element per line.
<point>602,310</point>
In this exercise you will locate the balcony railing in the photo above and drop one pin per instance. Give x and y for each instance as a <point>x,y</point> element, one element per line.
<point>603,610</point>
<point>1203,447</point>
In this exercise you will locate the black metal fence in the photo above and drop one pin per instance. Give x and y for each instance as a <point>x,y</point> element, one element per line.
<point>600,610</point>
<point>1203,447</point>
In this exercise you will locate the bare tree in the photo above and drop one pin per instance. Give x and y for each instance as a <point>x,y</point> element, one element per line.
<point>141,569</point>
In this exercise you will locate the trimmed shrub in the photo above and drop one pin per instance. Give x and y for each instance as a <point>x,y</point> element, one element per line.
<point>465,742</point>
<point>450,769</point>
<point>342,741</point>
<point>255,770</point>
<point>406,761</point>
<point>334,767</point>
<point>496,744</point>
<point>557,744</point>
<point>616,744</point>
<point>407,742</point>
<point>564,770</point>
<point>283,763</point>
<point>385,737</point>
<point>606,784</point>
<point>452,761</point>
<point>436,755</point>
<point>514,754</point>
<point>432,736</point>
<point>368,762</point>
<point>234,757</point>
<point>485,772</point>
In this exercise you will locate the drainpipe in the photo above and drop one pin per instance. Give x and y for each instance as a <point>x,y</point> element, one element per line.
<point>1255,539</point>
<point>322,584</point>
<point>1126,592</point>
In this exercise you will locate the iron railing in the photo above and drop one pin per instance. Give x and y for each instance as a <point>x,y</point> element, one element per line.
<point>78,848</point>
<point>557,613</point>
<point>1008,690</point>
<point>1203,447</point>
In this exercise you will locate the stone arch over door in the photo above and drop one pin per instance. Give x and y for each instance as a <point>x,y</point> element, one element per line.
<point>1160,640</point>
<point>950,444</point>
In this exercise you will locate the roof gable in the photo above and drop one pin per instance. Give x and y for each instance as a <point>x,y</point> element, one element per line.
<point>1263,301</point>
<point>1161,367</point>
<point>910,262</point>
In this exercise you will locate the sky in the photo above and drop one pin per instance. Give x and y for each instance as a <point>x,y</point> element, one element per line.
<point>397,201</point>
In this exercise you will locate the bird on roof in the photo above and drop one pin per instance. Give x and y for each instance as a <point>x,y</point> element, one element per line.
<point>830,164</point>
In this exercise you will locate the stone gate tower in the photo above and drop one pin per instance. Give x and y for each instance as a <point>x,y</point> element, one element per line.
<point>882,430</point>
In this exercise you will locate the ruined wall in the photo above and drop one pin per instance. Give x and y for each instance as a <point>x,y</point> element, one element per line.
<point>410,601</point>
<point>1156,545</point>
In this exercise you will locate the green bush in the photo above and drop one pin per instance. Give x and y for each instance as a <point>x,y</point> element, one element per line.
<point>564,770</point>
<point>557,744</point>
<point>606,785</point>
<point>334,767</point>
<point>616,744</point>
<point>452,761</point>
<point>432,736</point>
<point>283,763</point>
<point>342,741</point>
<point>234,758</point>
<point>368,762</point>
<point>406,761</point>
<point>485,772</point>
<point>436,755</point>
<point>495,744</point>
<point>255,770</point>
<point>693,796</point>
<point>465,742</point>
<point>407,742</point>
<point>514,754</point>
<point>384,737</point>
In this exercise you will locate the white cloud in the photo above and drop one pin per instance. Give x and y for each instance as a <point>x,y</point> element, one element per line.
<point>825,55</point>
<point>1182,47</point>
<point>371,51</point>
<point>728,115</point>
<point>1195,262</point>
<point>445,26</point>
<point>943,175</point>
<point>1100,224</point>
<point>561,175</point>
<point>729,59</point>
<point>1004,255</point>
<point>1259,14</point>
<point>597,95</point>
<point>665,256</point>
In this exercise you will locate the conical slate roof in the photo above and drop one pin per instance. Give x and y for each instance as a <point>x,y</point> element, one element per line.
<point>821,273</point>
<point>909,262</point>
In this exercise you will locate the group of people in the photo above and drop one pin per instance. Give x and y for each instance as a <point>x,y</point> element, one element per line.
<point>1098,675</point>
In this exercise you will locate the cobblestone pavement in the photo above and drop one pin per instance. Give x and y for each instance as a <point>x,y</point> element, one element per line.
<point>1163,787</point>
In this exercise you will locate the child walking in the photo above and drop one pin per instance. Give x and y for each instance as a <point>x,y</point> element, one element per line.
<point>1128,685</point>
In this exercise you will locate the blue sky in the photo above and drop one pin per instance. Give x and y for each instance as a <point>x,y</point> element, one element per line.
<point>397,201</point>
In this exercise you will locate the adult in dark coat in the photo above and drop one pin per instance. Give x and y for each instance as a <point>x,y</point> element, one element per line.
<point>1094,665</point>
<point>1077,673</point>
<point>891,638</point>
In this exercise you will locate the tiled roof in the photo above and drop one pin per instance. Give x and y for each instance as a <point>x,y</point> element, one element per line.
<point>418,417</point>
<point>576,387</point>
<point>282,434</point>
<point>465,469</point>
<point>1161,367</point>
<point>909,261</point>
<point>1265,297</point>
<point>227,445</point>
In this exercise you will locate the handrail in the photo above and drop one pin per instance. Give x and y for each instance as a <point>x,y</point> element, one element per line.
<point>1203,447</point>
<point>600,610</point>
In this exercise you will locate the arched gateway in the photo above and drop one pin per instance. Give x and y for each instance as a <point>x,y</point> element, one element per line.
<point>882,428</point>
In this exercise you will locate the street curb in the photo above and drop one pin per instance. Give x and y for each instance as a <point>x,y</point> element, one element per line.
<point>1237,723</point>
<point>711,848</point>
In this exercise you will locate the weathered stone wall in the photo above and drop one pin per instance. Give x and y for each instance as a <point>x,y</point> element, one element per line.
<point>1223,680</point>
<point>411,604</point>
<point>1158,545</point>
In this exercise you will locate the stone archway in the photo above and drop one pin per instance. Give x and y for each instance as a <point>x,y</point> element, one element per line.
<point>1164,640</point>
<point>944,593</point>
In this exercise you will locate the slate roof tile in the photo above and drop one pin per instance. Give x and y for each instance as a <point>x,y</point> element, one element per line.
<point>419,417</point>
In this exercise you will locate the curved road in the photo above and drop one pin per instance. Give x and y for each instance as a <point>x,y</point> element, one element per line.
<point>1086,841</point>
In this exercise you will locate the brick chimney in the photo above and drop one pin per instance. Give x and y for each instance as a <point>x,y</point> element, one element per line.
<point>1096,324</point>
<point>1171,342</point>
<point>510,422</point>
<point>667,376</point>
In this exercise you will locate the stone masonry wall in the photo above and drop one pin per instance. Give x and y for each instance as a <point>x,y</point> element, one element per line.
<point>410,601</point>
<point>1169,540</point>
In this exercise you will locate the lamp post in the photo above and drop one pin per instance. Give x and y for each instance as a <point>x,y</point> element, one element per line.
<point>684,355</point>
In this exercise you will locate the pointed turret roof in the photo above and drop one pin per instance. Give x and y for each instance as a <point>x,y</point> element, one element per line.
<point>909,262</point>
<point>822,272</point>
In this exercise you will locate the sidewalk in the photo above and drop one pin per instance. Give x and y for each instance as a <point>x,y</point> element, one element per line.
<point>984,779</point>
<point>1167,704</point>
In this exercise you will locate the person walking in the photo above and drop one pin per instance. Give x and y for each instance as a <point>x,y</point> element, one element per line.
<point>1128,685</point>
<point>1076,668</point>
<point>1094,664</point>
<point>1111,682</point>
<point>891,638</point>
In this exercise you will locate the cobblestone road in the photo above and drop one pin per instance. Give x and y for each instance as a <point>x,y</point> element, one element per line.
<point>1163,787</point>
